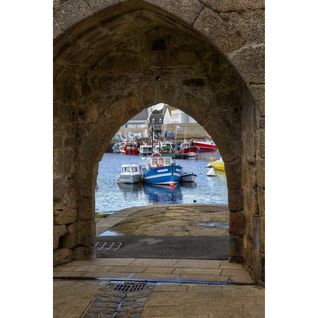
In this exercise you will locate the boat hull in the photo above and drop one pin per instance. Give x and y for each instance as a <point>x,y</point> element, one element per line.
<point>130,152</point>
<point>188,177</point>
<point>129,178</point>
<point>163,175</point>
<point>145,154</point>
<point>218,165</point>
<point>205,147</point>
<point>189,150</point>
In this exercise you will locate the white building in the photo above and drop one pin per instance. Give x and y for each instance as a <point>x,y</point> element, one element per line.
<point>179,117</point>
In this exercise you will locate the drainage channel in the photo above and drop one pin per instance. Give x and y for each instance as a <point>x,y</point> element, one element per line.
<point>119,299</point>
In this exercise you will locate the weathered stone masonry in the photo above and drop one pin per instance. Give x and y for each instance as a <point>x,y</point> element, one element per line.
<point>113,58</point>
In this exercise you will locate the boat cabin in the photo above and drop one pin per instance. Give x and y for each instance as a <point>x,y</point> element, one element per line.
<point>130,169</point>
<point>145,148</point>
<point>159,162</point>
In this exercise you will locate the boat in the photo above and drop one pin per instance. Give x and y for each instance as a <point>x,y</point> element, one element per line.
<point>116,148</point>
<point>165,149</point>
<point>129,148</point>
<point>189,150</point>
<point>145,150</point>
<point>187,177</point>
<point>218,164</point>
<point>211,173</point>
<point>161,170</point>
<point>205,146</point>
<point>130,173</point>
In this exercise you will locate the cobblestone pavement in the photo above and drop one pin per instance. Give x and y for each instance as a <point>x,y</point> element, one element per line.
<point>76,295</point>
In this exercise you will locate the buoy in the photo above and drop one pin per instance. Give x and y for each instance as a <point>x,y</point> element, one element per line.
<point>171,185</point>
<point>211,172</point>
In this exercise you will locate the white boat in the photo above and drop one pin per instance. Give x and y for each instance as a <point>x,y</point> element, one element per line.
<point>187,177</point>
<point>145,150</point>
<point>130,173</point>
<point>211,173</point>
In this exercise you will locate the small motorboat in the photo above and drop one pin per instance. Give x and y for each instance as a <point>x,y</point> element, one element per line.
<point>187,177</point>
<point>130,173</point>
<point>211,173</point>
<point>145,150</point>
<point>161,170</point>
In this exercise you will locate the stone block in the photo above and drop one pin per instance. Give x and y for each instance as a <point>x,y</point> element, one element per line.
<point>223,36</point>
<point>98,5</point>
<point>258,93</point>
<point>64,214</point>
<point>58,231</point>
<point>249,175</point>
<point>249,24</point>
<point>62,256</point>
<point>71,12</point>
<point>235,200</point>
<point>262,235</point>
<point>236,247</point>
<point>58,189</point>
<point>186,10</point>
<point>233,174</point>
<point>237,223</point>
<point>261,143</point>
<point>72,237</point>
<point>193,263</point>
<point>249,62</point>
<point>87,232</point>
<point>83,252</point>
<point>261,201</point>
<point>261,173</point>
<point>234,5</point>
<point>251,201</point>
<point>86,209</point>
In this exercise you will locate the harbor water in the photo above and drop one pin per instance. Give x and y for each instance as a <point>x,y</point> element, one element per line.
<point>111,196</point>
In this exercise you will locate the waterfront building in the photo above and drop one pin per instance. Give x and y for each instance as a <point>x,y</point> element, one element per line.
<point>137,127</point>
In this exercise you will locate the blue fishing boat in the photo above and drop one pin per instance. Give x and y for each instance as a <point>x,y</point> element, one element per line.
<point>161,170</point>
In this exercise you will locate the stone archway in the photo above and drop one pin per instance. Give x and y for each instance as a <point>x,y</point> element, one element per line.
<point>114,58</point>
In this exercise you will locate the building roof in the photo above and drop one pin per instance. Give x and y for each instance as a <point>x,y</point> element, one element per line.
<point>143,115</point>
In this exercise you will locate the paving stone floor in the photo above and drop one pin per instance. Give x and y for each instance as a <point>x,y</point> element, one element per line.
<point>76,295</point>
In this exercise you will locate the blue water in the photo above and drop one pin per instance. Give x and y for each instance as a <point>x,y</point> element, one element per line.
<point>111,196</point>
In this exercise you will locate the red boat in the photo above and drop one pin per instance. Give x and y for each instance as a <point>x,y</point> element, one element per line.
<point>129,148</point>
<point>187,149</point>
<point>205,146</point>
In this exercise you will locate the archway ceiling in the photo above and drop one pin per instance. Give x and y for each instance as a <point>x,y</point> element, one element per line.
<point>77,55</point>
<point>90,61</point>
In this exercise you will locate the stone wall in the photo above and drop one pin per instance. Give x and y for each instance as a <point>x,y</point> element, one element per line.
<point>114,58</point>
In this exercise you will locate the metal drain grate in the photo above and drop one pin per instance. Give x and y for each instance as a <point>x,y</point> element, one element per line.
<point>130,287</point>
<point>108,246</point>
